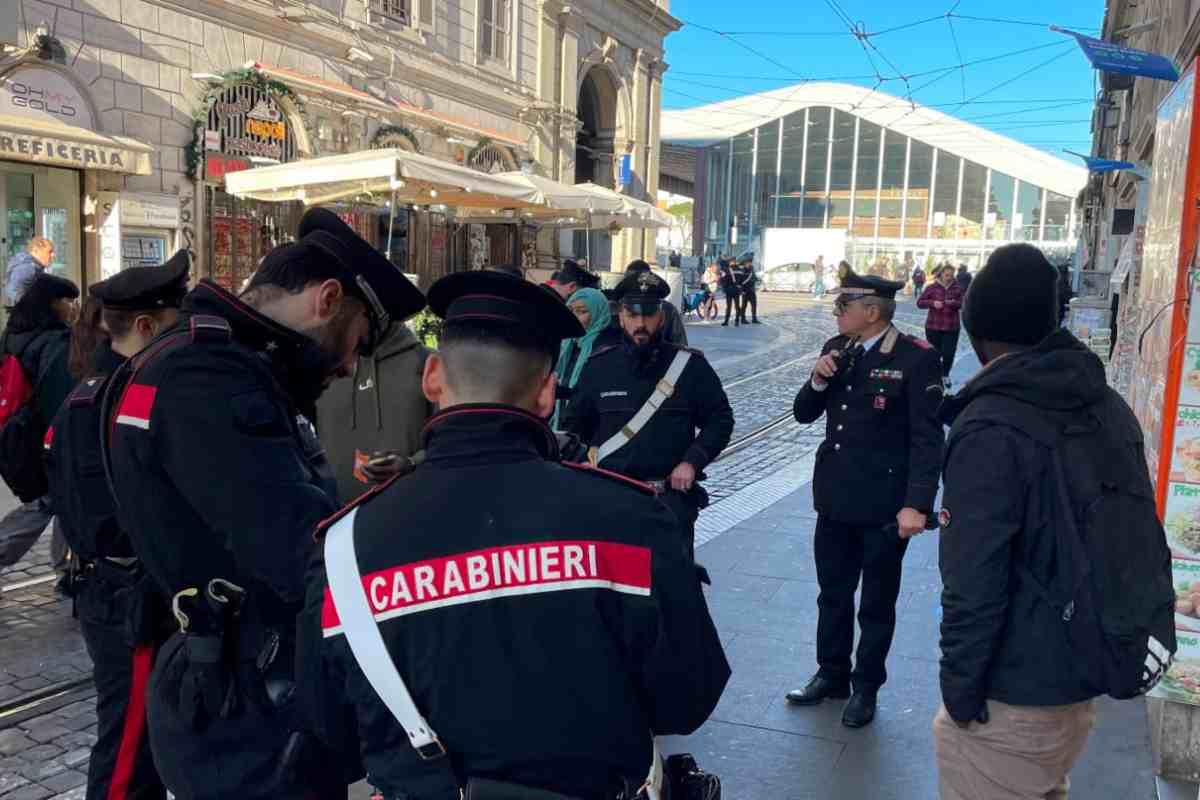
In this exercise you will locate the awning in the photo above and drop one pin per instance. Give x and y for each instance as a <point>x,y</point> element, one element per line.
<point>584,206</point>
<point>634,213</point>
<point>381,175</point>
<point>53,143</point>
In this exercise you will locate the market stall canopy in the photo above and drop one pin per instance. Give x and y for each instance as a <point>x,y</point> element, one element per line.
<point>48,142</point>
<point>634,213</point>
<point>584,206</point>
<point>381,175</point>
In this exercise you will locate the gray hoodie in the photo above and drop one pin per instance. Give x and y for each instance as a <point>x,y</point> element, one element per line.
<point>381,407</point>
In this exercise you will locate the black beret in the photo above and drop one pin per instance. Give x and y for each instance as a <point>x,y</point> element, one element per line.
<point>497,299</point>
<point>146,288</point>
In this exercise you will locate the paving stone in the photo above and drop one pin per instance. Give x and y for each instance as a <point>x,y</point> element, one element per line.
<point>10,779</point>
<point>42,752</point>
<point>78,756</point>
<point>46,731</point>
<point>13,741</point>
<point>65,781</point>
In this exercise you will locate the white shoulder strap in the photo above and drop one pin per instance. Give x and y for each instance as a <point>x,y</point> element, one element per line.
<point>366,641</point>
<point>665,388</point>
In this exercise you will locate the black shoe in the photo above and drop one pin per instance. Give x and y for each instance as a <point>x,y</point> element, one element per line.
<point>757,322</point>
<point>724,324</point>
<point>817,690</point>
<point>860,711</point>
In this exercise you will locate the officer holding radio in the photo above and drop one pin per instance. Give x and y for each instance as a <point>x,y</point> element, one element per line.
<point>875,483</point>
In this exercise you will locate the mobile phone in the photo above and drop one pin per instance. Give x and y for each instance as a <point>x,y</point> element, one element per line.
<point>385,460</point>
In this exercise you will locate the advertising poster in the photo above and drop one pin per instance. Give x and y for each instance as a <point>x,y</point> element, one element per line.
<point>1171,421</point>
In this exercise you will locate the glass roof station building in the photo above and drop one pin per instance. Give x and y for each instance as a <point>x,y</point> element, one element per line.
<point>900,179</point>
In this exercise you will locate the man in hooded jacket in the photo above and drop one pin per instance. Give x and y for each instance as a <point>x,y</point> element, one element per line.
<point>1016,714</point>
<point>371,425</point>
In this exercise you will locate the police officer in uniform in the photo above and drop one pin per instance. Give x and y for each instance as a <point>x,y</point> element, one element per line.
<point>220,480</point>
<point>874,487</point>
<point>541,623</point>
<point>649,409</point>
<point>122,614</point>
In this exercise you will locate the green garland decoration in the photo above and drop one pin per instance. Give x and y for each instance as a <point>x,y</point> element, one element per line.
<point>395,130</point>
<point>250,76</point>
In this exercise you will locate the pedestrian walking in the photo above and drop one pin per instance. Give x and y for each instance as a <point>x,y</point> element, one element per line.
<point>123,615</point>
<point>220,480</point>
<point>469,609</point>
<point>651,409</point>
<point>1047,496</point>
<point>571,278</point>
<point>24,267</point>
<point>875,482</point>
<point>37,336</point>
<point>591,308</point>
<point>371,424</point>
<point>748,284</point>
<point>943,299</point>
<point>963,278</point>
<point>918,280</point>
<point>733,294</point>
<point>818,288</point>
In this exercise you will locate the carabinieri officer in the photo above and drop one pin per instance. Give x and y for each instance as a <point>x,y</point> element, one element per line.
<point>875,482</point>
<point>539,616</point>
<point>123,615</point>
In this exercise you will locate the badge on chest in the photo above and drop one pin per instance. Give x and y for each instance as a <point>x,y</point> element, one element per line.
<point>880,402</point>
<point>888,374</point>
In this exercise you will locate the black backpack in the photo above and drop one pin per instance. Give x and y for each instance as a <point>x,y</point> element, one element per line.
<point>1113,586</point>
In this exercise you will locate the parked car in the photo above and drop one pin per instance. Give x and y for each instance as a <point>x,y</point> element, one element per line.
<point>797,277</point>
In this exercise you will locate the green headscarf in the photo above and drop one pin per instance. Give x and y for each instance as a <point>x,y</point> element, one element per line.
<point>597,304</point>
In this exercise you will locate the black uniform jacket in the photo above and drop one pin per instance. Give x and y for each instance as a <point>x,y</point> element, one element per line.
<point>1000,639</point>
<point>883,441</point>
<point>693,425</point>
<point>75,465</point>
<point>541,614</point>
<point>217,474</point>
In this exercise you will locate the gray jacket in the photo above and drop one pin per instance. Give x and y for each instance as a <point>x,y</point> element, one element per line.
<point>23,268</point>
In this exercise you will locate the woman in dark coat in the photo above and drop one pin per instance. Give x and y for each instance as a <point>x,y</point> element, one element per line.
<point>733,292</point>
<point>38,334</point>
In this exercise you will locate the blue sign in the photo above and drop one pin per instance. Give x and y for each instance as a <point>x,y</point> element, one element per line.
<point>1109,57</point>
<point>1107,165</point>
<point>626,169</point>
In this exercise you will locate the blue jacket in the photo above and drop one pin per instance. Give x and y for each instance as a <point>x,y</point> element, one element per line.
<point>22,269</point>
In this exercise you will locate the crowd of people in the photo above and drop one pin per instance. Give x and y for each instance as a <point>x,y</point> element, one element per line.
<point>305,549</point>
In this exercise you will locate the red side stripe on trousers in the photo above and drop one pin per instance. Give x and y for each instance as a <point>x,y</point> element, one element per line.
<point>135,723</point>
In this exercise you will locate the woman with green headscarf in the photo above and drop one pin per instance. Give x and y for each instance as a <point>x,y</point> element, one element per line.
<point>591,307</point>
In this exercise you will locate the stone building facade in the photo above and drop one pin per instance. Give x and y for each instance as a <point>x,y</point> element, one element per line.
<point>195,88</point>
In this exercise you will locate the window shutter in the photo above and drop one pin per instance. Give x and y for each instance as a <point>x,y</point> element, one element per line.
<point>425,13</point>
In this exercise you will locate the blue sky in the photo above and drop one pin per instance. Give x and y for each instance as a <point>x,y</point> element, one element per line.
<point>1042,97</point>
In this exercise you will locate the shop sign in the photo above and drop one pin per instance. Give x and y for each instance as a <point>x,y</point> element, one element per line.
<point>246,121</point>
<point>150,210</point>
<point>48,150</point>
<point>108,223</point>
<point>44,94</point>
<point>217,166</point>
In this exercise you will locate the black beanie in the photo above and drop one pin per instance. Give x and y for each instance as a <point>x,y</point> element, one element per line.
<point>1014,298</point>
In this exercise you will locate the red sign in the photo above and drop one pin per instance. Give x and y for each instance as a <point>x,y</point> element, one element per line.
<point>217,166</point>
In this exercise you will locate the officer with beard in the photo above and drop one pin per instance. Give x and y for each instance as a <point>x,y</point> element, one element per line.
<point>220,481</point>
<point>649,409</point>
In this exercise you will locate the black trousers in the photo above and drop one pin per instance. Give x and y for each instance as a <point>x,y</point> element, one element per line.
<point>946,343</point>
<point>844,553</point>
<point>121,766</point>
<point>749,300</point>
<point>733,302</point>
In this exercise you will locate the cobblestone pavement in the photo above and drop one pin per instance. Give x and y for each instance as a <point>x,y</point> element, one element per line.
<point>44,748</point>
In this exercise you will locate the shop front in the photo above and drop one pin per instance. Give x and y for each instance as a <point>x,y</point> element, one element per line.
<point>51,150</point>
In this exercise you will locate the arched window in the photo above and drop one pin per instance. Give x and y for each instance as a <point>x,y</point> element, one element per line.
<point>491,158</point>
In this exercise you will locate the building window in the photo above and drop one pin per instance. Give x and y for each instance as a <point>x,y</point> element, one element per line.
<point>1058,214</point>
<point>494,30</point>
<point>417,13</point>
<point>1000,207</point>
<point>1029,213</point>
<point>920,177</point>
<point>718,166</point>
<point>945,196</point>
<point>764,176</point>
<point>841,170</point>
<point>816,169</point>
<point>791,170</point>
<point>866,182</point>
<point>743,163</point>
<point>891,189</point>
<point>970,223</point>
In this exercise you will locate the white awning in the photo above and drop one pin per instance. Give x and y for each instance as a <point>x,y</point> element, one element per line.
<point>381,175</point>
<point>56,144</point>
<point>634,213</point>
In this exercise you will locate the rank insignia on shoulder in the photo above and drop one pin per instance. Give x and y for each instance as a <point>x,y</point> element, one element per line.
<point>645,488</point>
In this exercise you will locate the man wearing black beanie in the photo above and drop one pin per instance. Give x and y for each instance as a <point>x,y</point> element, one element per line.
<point>1008,662</point>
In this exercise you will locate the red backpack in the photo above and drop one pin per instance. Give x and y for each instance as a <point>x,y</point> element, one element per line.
<point>15,388</point>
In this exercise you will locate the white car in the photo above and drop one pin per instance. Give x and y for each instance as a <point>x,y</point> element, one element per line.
<point>798,277</point>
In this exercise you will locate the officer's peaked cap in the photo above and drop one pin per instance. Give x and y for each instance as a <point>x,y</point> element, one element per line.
<point>146,288</point>
<point>390,297</point>
<point>642,292</point>
<point>855,286</point>
<point>498,300</point>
